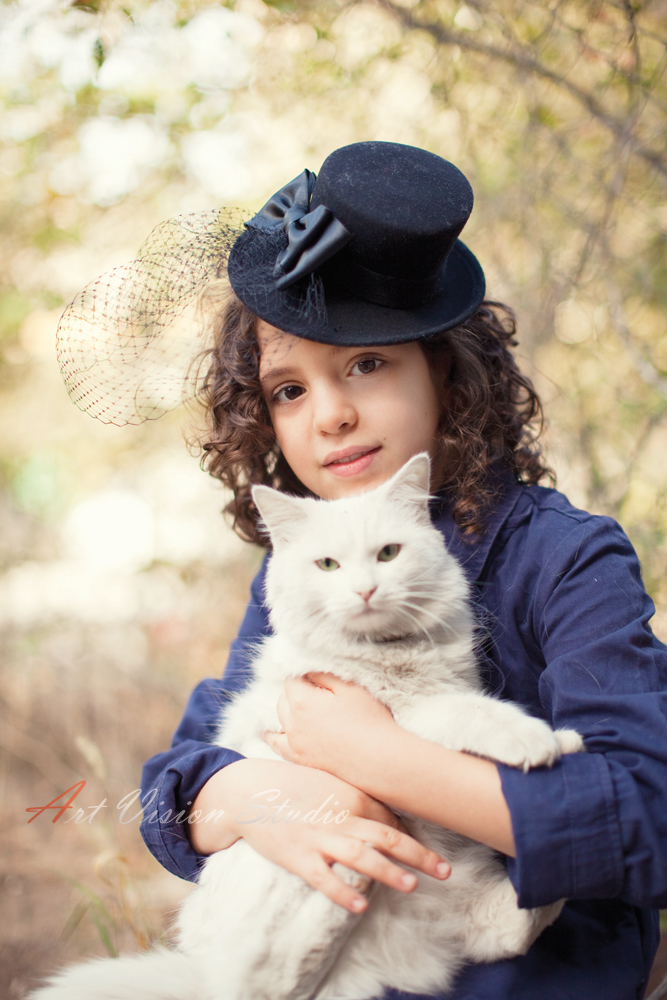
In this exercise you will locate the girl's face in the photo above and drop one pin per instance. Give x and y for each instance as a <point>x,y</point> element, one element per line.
<point>347,418</point>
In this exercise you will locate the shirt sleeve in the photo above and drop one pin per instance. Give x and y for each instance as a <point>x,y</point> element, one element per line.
<point>595,825</point>
<point>172,780</point>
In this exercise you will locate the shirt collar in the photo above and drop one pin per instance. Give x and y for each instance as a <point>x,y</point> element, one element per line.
<point>473,551</point>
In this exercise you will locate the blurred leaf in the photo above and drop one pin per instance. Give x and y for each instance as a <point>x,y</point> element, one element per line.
<point>36,486</point>
<point>74,920</point>
<point>105,936</point>
<point>99,914</point>
<point>98,51</point>
<point>49,236</point>
<point>14,308</point>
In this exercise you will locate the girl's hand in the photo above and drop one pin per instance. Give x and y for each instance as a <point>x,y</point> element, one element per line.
<point>326,721</point>
<point>358,831</point>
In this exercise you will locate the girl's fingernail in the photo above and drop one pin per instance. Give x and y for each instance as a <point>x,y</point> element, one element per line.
<point>443,869</point>
<point>358,905</point>
<point>408,880</point>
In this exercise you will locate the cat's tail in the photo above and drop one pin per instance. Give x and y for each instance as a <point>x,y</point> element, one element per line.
<point>159,975</point>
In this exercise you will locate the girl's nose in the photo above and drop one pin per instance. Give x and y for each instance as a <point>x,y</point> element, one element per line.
<point>332,411</point>
<point>367,594</point>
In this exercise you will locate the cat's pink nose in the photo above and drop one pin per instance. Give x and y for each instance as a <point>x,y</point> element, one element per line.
<point>367,594</point>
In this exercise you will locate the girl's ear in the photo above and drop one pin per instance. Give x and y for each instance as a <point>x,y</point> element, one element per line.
<point>280,513</point>
<point>411,486</point>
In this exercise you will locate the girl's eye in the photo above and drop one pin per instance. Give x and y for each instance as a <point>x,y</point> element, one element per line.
<point>327,564</point>
<point>388,553</point>
<point>367,366</point>
<point>288,393</point>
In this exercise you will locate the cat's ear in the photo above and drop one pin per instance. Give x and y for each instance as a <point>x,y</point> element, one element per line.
<point>280,513</point>
<point>411,486</point>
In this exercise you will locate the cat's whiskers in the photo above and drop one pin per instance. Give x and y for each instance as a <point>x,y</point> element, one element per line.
<point>420,626</point>
<point>318,616</point>
<point>404,604</point>
<point>425,575</point>
<point>434,594</point>
<point>316,613</point>
<point>443,624</point>
<point>436,619</point>
<point>426,595</point>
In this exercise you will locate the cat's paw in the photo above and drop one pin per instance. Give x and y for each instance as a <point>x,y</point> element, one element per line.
<point>569,741</point>
<point>499,929</point>
<point>362,883</point>
<point>530,743</point>
<point>521,933</point>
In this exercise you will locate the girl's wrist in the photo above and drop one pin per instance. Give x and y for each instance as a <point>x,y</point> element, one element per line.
<point>367,762</point>
<point>449,787</point>
<point>216,800</point>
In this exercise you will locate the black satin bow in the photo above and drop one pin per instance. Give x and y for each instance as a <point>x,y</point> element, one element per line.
<point>313,237</point>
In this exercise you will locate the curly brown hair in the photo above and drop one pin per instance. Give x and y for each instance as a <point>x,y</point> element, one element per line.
<point>493,417</point>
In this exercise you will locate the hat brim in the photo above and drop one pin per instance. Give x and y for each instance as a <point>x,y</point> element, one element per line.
<point>349,320</point>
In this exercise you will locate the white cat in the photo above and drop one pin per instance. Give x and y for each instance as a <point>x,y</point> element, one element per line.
<point>364,588</point>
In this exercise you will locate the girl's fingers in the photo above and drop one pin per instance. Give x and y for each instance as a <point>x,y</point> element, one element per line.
<point>401,847</point>
<point>328,681</point>
<point>283,711</point>
<point>362,857</point>
<point>319,875</point>
<point>278,743</point>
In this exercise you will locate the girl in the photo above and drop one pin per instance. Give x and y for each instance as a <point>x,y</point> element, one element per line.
<point>357,337</point>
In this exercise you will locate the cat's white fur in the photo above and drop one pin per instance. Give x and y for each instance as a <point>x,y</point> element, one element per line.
<point>251,930</point>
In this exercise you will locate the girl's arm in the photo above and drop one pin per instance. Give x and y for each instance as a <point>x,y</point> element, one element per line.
<point>340,728</point>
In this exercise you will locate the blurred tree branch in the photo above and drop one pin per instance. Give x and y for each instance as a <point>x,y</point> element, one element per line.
<point>522,57</point>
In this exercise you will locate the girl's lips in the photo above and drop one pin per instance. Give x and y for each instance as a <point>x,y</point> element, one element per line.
<point>351,467</point>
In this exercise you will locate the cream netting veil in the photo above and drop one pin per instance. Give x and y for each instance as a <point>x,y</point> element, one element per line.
<point>130,346</point>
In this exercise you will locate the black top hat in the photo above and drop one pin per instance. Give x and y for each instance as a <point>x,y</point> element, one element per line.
<point>366,253</point>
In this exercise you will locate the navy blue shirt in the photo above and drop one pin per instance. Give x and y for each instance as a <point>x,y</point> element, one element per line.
<point>565,614</point>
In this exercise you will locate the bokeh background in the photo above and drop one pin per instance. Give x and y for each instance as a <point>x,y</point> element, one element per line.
<point>120,585</point>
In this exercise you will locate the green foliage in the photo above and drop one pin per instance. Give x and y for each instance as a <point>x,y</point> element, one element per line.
<point>37,487</point>
<point>95,907</point>
<point>92,6</point>
<point>48,236</point>
<point>556,111</point>
<point>283,6</point>
<point>14,307</point>
<point>98,52</point>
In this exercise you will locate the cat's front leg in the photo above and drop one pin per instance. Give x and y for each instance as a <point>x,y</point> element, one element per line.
<point>259,932</point>
<point>490,728</point>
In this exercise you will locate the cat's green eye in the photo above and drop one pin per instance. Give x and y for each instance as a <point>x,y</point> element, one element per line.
<point>388,553</point>
<point>327,563</point>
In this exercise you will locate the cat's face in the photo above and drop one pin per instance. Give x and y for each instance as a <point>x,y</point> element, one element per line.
<point>369,566</point>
